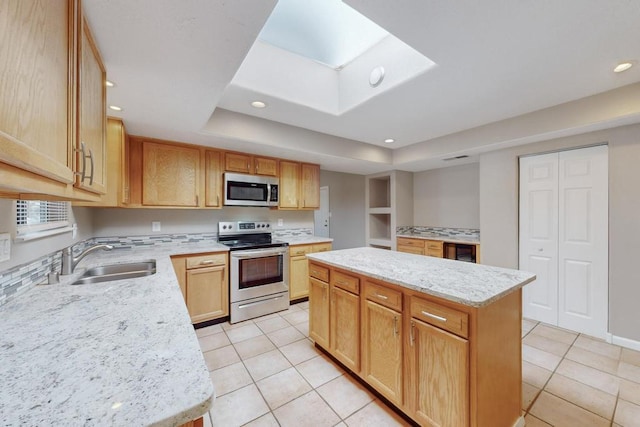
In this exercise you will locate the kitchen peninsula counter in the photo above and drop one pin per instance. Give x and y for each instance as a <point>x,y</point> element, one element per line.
<point>112,353</point>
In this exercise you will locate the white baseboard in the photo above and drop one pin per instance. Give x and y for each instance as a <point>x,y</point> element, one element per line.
<point>625,342</point>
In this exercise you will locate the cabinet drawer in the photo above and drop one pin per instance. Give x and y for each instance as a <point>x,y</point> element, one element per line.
<point>299,250</point>
<point>383,296</point>
<point>206,260</point>
<point>319,272</point>
<point>434,245</point>
<point>346,281</point>
<point>443,317</point>
<point>411,250</point>
<point>416,243</point>
<point>322,247</point>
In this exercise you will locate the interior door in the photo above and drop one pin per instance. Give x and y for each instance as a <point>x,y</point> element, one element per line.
<point>583,240</point>
<point>539,235</point>
<point>321,217</point>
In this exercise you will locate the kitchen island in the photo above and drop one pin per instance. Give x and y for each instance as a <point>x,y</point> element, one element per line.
<point>439,339</point>
<point>114,353</point>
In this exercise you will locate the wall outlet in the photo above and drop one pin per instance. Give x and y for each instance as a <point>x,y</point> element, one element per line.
<point>156,226</point>
<point>5,247</point>
<point>280,222</point>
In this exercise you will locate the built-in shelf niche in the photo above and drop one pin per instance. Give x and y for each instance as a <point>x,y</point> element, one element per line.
<point>380,192</point>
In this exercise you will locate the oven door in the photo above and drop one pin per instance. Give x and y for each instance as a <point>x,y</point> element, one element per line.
<point>259,272</point>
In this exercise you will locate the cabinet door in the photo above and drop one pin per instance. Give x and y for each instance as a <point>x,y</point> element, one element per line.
<point>345,327</point>
<point>319,312</point>
<point>170,175</point>
<point>434,248</point>
<point>440,368</point>
<point>207,293</point>
<point>36,83</point>
<point>322,247</point>
<point>238,162</point>
<point>382,350</point>
<point>90,150</point>
<point>310,186</point>
<point>298,277</point>
<point>411,250</point>
<point>213,182</point>
<point>265,166</point>
<point>289,184</point>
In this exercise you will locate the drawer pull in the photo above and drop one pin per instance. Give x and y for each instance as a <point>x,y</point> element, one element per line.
<point>384,297</point>
<point>395,326</point>
<point>433,316</point>
<point>207,261</point>
<point>411,336</point>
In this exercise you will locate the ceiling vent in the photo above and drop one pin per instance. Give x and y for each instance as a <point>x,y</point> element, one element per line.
<point>464,156</point>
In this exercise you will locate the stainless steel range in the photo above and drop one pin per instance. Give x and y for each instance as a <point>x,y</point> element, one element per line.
<point>259,276</point>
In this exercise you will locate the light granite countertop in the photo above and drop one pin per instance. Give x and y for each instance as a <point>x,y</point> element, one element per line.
<point>462,282</point>
<point>434,236</point>
<point>113,353</point>
<point>304,240</point>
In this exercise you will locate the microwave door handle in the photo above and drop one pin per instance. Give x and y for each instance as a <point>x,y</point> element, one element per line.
<point>268,193</point>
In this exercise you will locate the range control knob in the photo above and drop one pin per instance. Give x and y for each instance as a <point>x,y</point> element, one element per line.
<point>268,225</point>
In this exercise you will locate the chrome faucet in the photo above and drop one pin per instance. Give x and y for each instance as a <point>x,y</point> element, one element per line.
<point>69,262</point>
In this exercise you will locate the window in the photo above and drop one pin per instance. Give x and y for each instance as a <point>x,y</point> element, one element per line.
<point>37,218</point>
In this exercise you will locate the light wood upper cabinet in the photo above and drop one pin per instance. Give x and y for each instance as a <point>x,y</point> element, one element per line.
<point>289,184</point>
<point>319,312</point>
<point>90,149</point>
<point>299,185</point>
<point>246,163</point>
<point>213,178</point>
<point>170,175</point>
<point>265,166</point>
<point>310,186</point>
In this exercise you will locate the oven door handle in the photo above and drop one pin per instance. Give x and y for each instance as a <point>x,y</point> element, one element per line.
<point>258,253</point>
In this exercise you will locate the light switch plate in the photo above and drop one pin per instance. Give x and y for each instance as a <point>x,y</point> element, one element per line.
<point>280,222</point>
<point>156,226</point>
<point>5,247</point>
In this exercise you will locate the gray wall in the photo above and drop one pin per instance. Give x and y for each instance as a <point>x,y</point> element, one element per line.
<point>346,202</point>
<point>499,215</point>
<point>23,252</point>
<point>447,197</point>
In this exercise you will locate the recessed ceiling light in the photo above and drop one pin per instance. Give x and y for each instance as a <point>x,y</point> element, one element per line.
<point>109,83</point>
<point>258,104</point>
<point>623,66</point>
<point>389,140</point>
<point>115,108</point>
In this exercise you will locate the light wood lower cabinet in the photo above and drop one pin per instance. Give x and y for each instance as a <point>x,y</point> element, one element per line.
<point>319,312</point>
<point>345,327</point>
<point>299,270</point>
<point>204,282</point>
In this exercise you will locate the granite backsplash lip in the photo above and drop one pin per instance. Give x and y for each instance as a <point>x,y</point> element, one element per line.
<point>114,353</point>
<point>461,282</point>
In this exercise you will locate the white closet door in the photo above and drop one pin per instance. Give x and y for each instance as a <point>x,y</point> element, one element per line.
<point>539,235</point>
<point>583,240</point>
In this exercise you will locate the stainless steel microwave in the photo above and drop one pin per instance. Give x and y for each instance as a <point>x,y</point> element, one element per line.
<point>250,190</point>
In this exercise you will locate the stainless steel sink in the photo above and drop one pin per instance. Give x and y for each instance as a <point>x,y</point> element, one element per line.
<point>108,273</point>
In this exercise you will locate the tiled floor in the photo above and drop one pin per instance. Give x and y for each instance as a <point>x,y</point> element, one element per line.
<point>267,372</point>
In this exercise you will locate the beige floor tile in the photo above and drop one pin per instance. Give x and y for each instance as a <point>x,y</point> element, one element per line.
<point>292,308</point>
<point>589,376</point>
<point>541,358</point>
<point>265,317</point>
<point>559,412</point>
<point>529,394</point>
<point>627,414</point>
<point>296,317</point>
<point>283,387</point>
<point>244,333</point>
<point>213,329</point>
<point>221,357</point>
<point>631,356</point>
<point>303,305</point>
<point>531,421</point>
<point>211,342</point>
<point>266,364</point>
<point>299,351</point>
<point>267,420</point>
<point>593,360</point>
<point>527,326</point>
<point>230,378</point>
<point>254,346</point>
<point>273,324</point>
<point>206,420</point>
<point>239,407</point>
<point>554,333</point>
<point>298,412</point>
<point>375,414</point>
<point>535,375</point>
<point>584,396</point>
<point>285,336</point>
<point>228,326</point>
<point>630,391</point>
<point>629,371</point>
<point>546,344</point>
<point>598,346</point>
<point>342,424</point>
<point>345,395</point>
<point>303,328</point>
<point>319,370</point>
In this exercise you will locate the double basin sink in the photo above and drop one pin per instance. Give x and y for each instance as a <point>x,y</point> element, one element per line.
<point>109,273</point>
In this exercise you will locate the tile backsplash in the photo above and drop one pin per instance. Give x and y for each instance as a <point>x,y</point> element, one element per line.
<point>292,232</point>
<point>471,233</point>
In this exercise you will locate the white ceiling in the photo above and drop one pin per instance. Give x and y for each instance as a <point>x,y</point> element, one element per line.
<point>500,66</point>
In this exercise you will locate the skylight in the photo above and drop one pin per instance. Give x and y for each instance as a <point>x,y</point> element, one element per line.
<point>326,31</point>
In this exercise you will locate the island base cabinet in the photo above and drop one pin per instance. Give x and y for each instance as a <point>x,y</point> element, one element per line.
<point>345,328</point>
<point>439,372</point>
<point>319,312</point>
<point>382,350</point>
